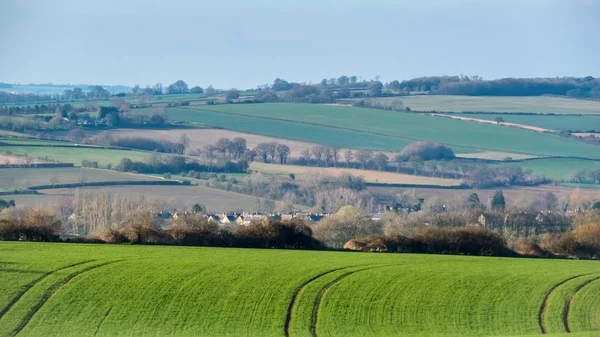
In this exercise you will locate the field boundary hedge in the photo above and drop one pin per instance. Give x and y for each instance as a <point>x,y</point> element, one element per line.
<point>110,183</point>
<point>458,187</point>
<point>37,165</point>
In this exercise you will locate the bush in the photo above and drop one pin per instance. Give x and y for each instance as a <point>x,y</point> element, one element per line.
<point>112,236</point>
<point>463,241</point>
<point>293,234</point>
<point>33,225</point>
<point>426,151</point>
<point>167,175</point>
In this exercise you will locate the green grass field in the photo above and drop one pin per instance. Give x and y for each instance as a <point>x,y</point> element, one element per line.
<point>163,198</point>
<point>558,168</point>
<point>534,104</point>
<point>558,123</point>
<point>11,178</point>
<point>309,122</point>
<point>75,154</point>
<point>108,290</point>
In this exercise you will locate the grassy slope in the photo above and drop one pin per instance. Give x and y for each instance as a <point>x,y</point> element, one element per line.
<point>581,123</point>
<point>395,124</point>
<point>75,155</point>
<point>290,130</point>
<point>559,168</point>
<point>24,177</point>
<point>178,291</point>
<point>164,197</point>
<point>369,176</point>
<point>536,104</point>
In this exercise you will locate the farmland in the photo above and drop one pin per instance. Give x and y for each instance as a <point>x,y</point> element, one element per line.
<point>514,195</point>
<point>164,198</point>
<point>202,137</point>
<point>11,178</point>
<point>116,290</point>
<point>531,104</point>
<point>369,176</point>
<point>558,168</point>
<point>558,123</point>
<point>73,154</point>
<point>370,128</point>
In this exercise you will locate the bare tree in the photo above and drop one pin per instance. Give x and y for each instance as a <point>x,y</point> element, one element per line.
<point>283,151</point>
<point>348,156</point>
<point>305,154</point>
<point>327,155</point>
<point>318,152</point>
<point>335,154</point>
<point>364,156</point>
<point>262,150</point>
<point>380,160</point>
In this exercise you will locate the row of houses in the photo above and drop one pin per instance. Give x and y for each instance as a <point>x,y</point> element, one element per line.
<point>246,218</point>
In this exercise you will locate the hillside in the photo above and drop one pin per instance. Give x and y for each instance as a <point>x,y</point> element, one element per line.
<point>175,291</point>
<point>375,129</point>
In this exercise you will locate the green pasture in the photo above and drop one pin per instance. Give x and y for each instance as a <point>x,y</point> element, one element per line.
<point>533,104</point>
<point>74,154</point>
<point>556,122</point>
<point>108,290</point>
<point>321,134</point>
<point>21,178</point>
<point>558,167</point>
<point>298,120</point>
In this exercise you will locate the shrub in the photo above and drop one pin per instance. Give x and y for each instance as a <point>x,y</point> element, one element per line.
<point>112,236</point>
<point>33,225</point>
<point>426,151</point>
<point>276,234</point>
<point>463,241</point>
<point>167,175</point>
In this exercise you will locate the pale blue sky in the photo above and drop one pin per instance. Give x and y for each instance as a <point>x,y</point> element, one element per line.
<point>244,43</point>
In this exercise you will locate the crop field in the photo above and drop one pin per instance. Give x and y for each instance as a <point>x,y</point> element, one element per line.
<point>107,290</point>
<point>202,137</point>
<point>363,128</point>
<point>513,195</point>
<point>75,154</point>
<point>162,197</point>
<point>533,104</point>
<point>558,123</point>
<point>368,175</point>
<point>11,178</point>
<point>557,167</point>
<point>290,130</point>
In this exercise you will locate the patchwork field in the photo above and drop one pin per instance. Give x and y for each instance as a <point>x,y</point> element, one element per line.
<point>73,154</point>
<point>11,178</point>
<point>161,197</point>
<point>558,123</point>
<point>370,128</point>
<point>369,176</point>
<point>202,137</point>
<point>559,168</point>
<point>533,104</point>
<point>513,195</point>
<point>107,290</point>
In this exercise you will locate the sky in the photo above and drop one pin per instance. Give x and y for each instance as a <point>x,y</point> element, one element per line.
<point>245,43</point>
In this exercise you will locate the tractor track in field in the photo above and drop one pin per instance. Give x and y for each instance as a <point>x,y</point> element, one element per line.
<point>545,301</point>
<point>290,309</point>
<point>55,289</point>
<point>567,309</point>
<point>102,321</point>
<point>34,282</point>
<point>319,299</point>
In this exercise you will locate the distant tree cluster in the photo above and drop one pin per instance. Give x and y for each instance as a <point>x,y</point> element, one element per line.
<point>476,86</point>
<point>176,164</point>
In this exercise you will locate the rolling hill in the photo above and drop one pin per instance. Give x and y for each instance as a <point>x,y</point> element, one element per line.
<point>177,291</point>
